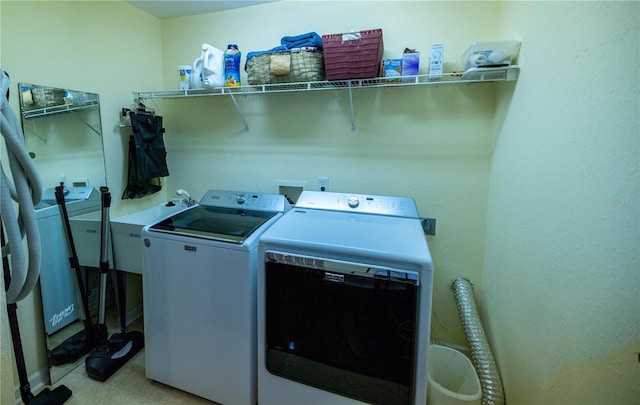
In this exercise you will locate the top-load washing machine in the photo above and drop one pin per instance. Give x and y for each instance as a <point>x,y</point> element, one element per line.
<point>344,303</point>
<point>199,294</point>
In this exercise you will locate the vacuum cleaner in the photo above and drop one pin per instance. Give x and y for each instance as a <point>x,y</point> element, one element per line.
<point>120,347</point>
<point>58,395</point>
<point>19,277</point>
<point>76,346</point>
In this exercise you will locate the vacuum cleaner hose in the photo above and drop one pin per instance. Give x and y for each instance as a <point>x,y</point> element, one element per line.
<point>27,191</point>
<point>492,390</point>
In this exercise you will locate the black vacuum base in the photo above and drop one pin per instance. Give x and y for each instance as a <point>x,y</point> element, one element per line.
<point>58,395</point>
<point>71,349</point>
<point>77,346</point>
<point>108,358</point>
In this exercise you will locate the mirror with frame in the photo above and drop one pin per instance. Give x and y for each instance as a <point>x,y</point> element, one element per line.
<point>63,134</point>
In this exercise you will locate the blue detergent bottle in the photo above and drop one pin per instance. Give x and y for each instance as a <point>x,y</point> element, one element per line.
<point>232,66</point>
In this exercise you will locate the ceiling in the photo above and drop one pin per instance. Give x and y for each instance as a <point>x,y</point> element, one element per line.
<point>179,8</point>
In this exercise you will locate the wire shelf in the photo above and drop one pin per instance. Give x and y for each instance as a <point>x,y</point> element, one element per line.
<point>59,109</point>
<point>473,75</point>
<point>483,75</point>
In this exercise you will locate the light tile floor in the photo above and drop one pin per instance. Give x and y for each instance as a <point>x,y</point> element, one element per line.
<point>127,386</point>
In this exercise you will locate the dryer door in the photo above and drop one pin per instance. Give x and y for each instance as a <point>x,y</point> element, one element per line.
<point>343,327</point>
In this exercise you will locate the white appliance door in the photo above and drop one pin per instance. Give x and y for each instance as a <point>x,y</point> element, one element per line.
<point>199,315</point>
<point>60,298</point>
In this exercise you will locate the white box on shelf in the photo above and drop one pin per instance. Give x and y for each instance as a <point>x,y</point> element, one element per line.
<point>435,61</point>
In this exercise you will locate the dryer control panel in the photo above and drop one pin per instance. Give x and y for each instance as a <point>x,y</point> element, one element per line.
<point>361,203</point>
<point>245,200</point>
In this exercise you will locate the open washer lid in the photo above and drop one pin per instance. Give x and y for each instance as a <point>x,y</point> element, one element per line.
<point>228,216</point>
<point>217,223</point>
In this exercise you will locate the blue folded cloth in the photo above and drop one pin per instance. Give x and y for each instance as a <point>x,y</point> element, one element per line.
<point>256,53</point>
<point>310,39</point>
<point>298,41</point>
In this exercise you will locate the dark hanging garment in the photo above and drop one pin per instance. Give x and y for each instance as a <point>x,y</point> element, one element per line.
<point>147,156</point>
<point>135,188</point>
<point>150,151</point>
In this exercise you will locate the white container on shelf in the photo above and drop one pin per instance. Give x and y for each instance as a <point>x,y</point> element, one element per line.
<point>184,77</point>
<point>490,54</point>
<point>436,61</point>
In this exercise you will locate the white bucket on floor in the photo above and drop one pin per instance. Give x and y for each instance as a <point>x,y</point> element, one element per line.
<point>452,379</point>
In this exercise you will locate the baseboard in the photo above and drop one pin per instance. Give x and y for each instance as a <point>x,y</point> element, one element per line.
<point>134,314</point>
<point>37,381</point>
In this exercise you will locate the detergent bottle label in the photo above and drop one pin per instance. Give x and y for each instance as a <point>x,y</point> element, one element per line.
<point>232,66</point>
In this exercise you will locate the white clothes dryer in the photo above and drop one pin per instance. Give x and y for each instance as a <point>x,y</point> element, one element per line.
<point>344,303</point>
<point>199,294</point>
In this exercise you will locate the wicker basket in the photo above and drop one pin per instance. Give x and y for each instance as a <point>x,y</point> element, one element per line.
<point>353,55</point>
<point>47,97</point>
<point>285,67</point>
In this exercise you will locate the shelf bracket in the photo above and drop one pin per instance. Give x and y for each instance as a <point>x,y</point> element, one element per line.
<point>353,120</point>
<point>88,125</point>
<point>235,103</point>
<point>36,135</point>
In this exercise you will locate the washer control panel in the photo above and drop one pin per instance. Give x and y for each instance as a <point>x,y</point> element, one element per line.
<point>361,203</point>
<point>245,200</point>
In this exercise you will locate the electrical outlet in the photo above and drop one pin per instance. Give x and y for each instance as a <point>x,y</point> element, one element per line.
<point>323,183</point>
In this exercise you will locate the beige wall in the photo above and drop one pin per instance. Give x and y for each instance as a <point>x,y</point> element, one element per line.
<point>562,267</point>
<point>104,47</point>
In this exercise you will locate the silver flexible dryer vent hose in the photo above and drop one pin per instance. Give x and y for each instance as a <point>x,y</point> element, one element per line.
<point>488,374</point>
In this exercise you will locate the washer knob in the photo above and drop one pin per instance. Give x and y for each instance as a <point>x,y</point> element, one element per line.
<point>241,199</point>
<point>353,201</point>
